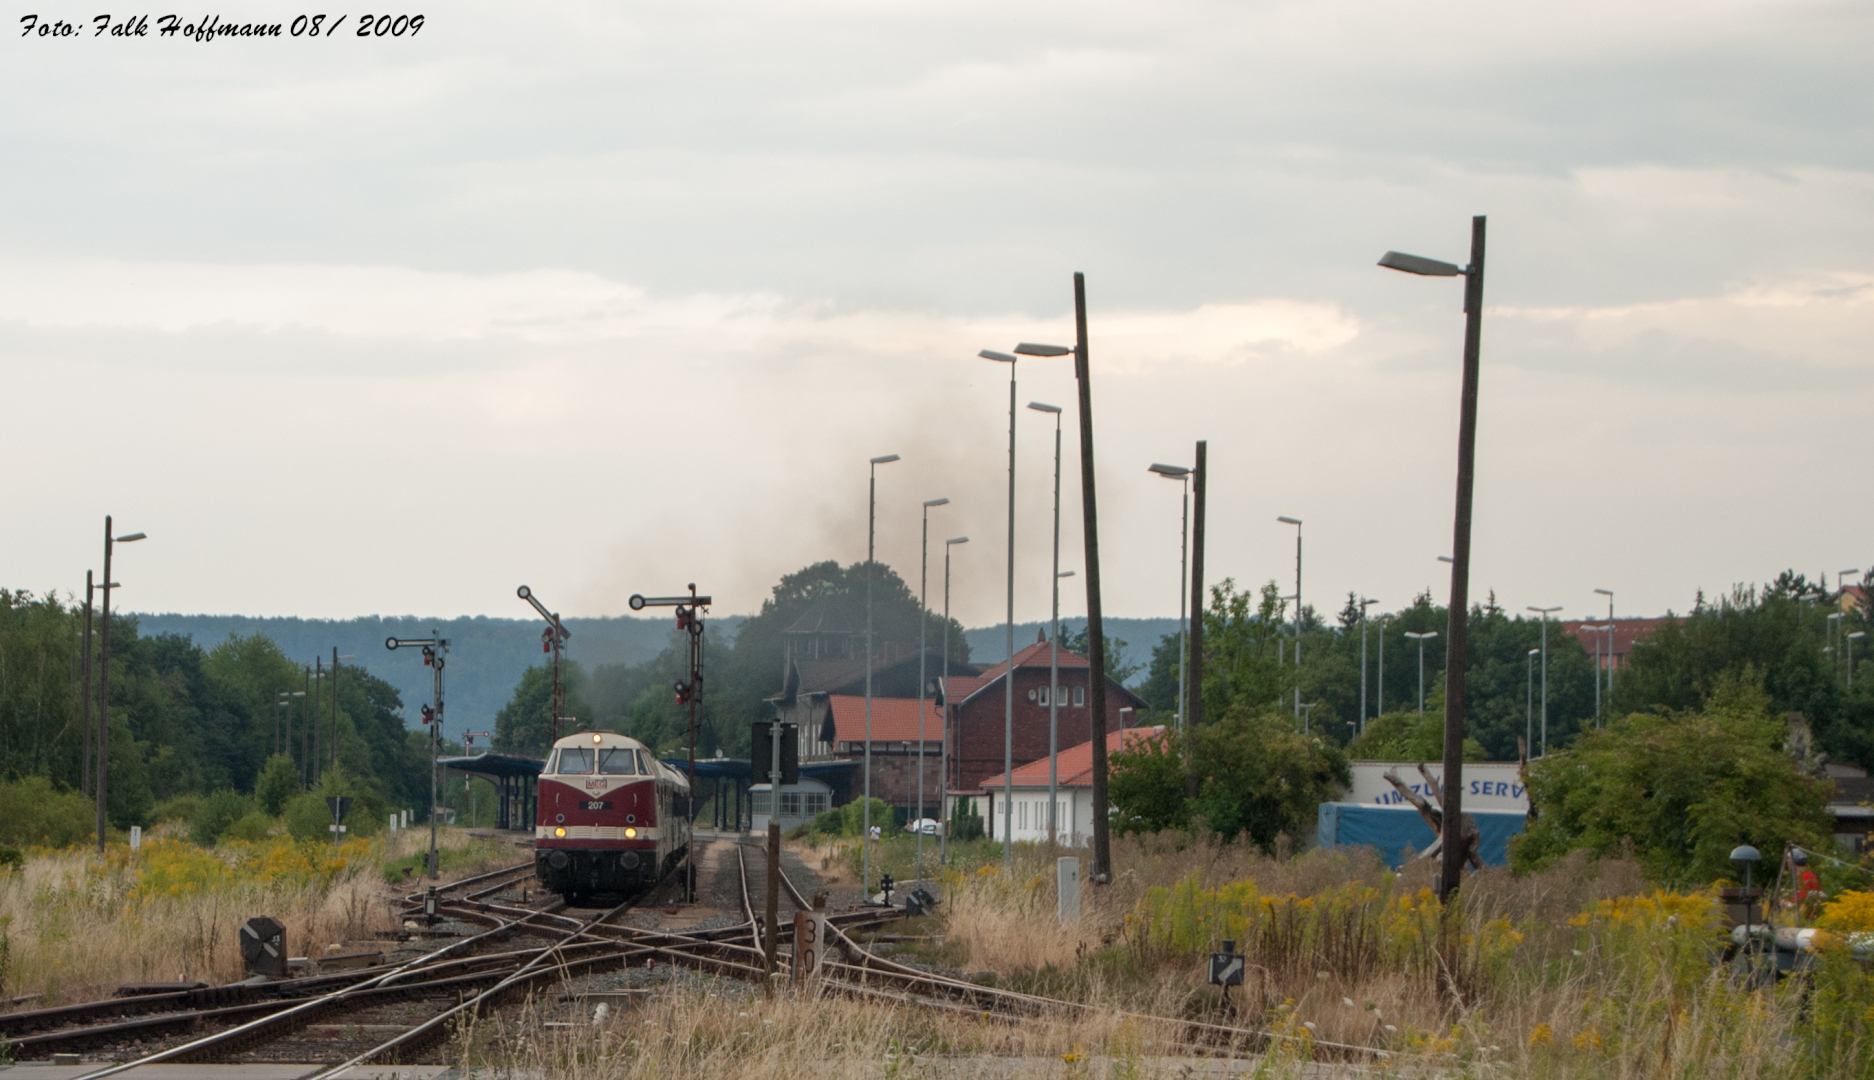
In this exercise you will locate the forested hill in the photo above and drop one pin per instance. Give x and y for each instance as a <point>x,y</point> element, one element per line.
<point>486,656</point>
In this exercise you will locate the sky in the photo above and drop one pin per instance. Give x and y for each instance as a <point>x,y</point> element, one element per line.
<point>607,298</point>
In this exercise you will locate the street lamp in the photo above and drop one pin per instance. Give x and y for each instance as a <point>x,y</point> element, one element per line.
<point>871,532</point>
<point>943,703</point>
<point>1054,634</point>
<point>1597,631</point>
<point>1749,856</point>
<point>1609,593</point>
<point>923,636</point>
<point>1529,704</point>
<point>1831,626</point>
<point>1297,523</point>
<point>1852,638</point>
<point>1545,612</point>
<point>282,722</point>
<point>104,672</point>
<point>1183,476</point>
<point>1459,606</point>
<point>1422,639</point>
<point>1364,604</point>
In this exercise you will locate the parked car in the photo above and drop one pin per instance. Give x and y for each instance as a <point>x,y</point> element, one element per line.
<point>927,826</point>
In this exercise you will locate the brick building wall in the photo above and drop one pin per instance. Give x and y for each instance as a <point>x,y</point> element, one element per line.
<point>977,723</point>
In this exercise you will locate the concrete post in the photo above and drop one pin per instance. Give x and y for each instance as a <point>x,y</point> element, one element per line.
<point>1067,886</point>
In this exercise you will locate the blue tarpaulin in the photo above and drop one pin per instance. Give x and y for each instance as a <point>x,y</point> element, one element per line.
<point>1390,830</point>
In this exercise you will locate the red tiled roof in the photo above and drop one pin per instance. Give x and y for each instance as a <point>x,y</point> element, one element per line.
<point>893,719</point>
<point>1626,632</point>
<point>1076,764</point>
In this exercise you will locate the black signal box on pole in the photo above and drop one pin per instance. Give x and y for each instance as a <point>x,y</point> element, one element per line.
<point>761,751</point>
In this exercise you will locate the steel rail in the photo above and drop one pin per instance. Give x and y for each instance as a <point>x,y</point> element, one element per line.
<point>242,1030</point>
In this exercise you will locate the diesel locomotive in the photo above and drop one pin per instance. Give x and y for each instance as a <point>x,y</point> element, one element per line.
<point>610,817</point>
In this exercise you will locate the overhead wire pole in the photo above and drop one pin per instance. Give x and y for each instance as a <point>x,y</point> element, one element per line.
<point>84,707</point>
<point>1298,619</point>
<point>435,648</point>
<point>1458,611</point>
<point>1183,476</point>
<point>1545,612</point>
<point>552,639</point>
<point>690,692</point>
<point>1194,683</point>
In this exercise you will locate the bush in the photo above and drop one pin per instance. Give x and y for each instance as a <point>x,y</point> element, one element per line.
<point>180,808</point>
<point>852,816</point>
<point>965,822</point>
<point>253,825</point>
<point>33,811</point>
<point>278,782</point>
<point>307,817</point>
<point>216,813</point>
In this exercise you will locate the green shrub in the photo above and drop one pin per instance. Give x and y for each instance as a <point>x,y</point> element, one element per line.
<point>965,822</point>
<point>11,858</point>
<point>307,817</point>
<point>253,825</point>
<point>33,811</point>
<point>180,808</point>
<point>216,813</point>
<point>852,817</point>
<point>278,782</point>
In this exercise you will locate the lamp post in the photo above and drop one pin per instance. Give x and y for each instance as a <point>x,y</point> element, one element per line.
<point>1545,612</point>
<point>1090,541</point>
<point>1609,593</point>
<point>1183,476</point>
<point>1008,682</point>
<point>871,533</point>
<point>1744,853</point>
<point>104,674</point>
<point>1458,609</point>
<point>1054,633</point>
<point>1529,704</point>
<point>1364,604</point>
<point>553,640</point>
<point>1831,626</point>
<point>1379,688</point>
<point>923,627</point>
<point>1596,631</point>
<point>1298,614</point>
<point>1852,638</point>
<point>283,720</point>
<point>943,703</point>
<point>1422,639</point>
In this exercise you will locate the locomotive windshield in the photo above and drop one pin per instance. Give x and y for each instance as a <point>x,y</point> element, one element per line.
<point>575,761</point>
<point>617,763</point>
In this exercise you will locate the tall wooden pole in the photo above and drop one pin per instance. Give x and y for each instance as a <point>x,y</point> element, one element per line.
<point>1096,631</point>
<point>84,706</point>
<point>1194,680</point>
<point>1459,613</point>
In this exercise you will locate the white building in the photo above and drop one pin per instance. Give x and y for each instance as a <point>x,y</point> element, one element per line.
<point>800,803</point>
<point>1028,796</point>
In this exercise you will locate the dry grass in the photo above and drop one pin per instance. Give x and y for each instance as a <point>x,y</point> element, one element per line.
<point>76,928</point>
<point>706,1032</point>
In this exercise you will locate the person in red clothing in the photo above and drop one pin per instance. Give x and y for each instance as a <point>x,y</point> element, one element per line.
<point>1809,893</point>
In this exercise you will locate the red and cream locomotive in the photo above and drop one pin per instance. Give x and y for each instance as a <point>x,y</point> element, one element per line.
<point>610,817</point>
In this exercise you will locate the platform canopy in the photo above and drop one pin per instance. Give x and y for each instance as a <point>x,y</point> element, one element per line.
<point>496,765</point>
<point>737,768</point>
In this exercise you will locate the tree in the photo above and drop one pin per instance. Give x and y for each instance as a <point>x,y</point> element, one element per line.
<point>525,724</point>
<point>1160,688</point>
<point>1681,787</point>
<point>1074,640</point>
<point>1408,736</point>
<point>278,782</point>
<point>1259,778</point>
<point>1779,635</point>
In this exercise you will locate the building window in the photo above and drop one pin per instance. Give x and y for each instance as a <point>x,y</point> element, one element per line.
<point>790,804</point>
<point>1043,698</point>
<point>817,802</point>
<point>1031,695</point>
<point>760,802</point>
<point>1080,696</point>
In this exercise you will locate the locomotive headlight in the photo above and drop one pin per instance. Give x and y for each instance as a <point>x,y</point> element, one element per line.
<point>595,738</point>
<point>560,832</point>
<point>631,834</point>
